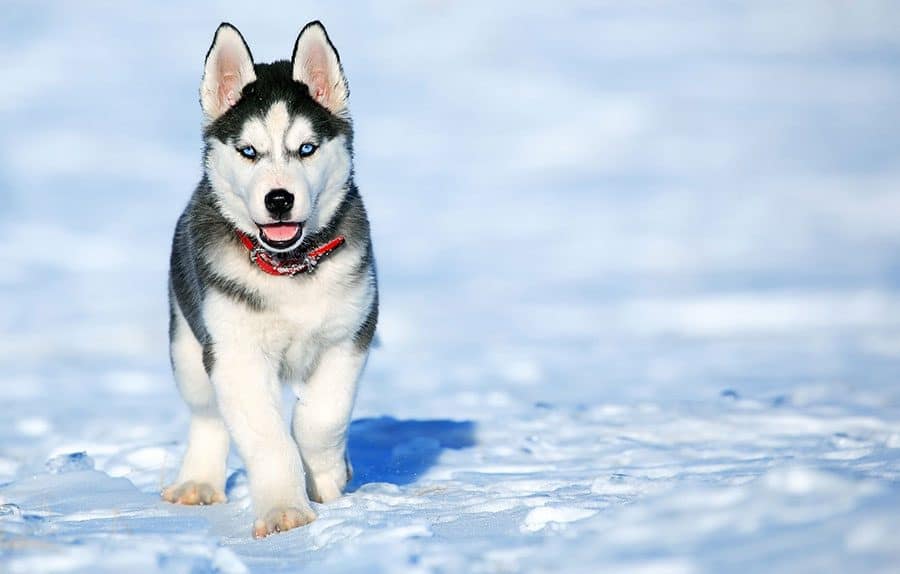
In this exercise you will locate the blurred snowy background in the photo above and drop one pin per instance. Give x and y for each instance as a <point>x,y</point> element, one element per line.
<point>640,273</point>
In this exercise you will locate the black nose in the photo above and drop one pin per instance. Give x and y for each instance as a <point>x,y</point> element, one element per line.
<point>279,202</point>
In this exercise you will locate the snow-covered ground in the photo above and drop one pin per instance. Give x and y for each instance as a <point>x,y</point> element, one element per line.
<point>640,287</point>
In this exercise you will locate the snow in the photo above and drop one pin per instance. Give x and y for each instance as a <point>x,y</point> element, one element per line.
<point>639,275</point>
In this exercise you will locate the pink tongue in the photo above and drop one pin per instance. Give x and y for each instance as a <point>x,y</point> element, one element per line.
<point>280,232</point>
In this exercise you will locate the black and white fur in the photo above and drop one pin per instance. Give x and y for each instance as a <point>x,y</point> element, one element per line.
<point>238,334</point>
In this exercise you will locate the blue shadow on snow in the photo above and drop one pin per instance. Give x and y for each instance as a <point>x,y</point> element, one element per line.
<point>385,449</point>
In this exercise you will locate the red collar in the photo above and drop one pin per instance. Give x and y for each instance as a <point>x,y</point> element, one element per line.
<point>306,264</point>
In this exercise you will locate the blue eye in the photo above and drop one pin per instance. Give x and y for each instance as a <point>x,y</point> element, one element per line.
<point>307,149</point>
<point>248,152</point>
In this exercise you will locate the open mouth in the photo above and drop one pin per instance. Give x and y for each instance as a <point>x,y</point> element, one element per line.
<point>280,235</point>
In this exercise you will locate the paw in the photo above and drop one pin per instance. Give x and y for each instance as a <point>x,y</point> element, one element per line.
<point>324,487</point>
<point>282,520</point>
<point>192,493</point>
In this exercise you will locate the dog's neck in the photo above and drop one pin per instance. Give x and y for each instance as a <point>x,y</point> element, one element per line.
<point>282,266</point>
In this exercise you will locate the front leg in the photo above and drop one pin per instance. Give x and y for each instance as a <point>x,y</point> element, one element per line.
<point>202,476</point>
<point>322,418</point>
<point>248,392</point>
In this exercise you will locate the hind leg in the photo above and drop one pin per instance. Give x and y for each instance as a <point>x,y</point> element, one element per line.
<point>322,419</point>
<point>202,476</point>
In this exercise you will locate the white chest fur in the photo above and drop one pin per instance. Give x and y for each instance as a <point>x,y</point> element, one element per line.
<point>301,316</point>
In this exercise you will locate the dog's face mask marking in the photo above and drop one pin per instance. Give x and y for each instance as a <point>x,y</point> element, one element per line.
<point>278,163</point>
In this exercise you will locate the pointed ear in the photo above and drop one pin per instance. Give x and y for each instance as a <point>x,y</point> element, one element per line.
<point>229,67</point>
<point>316,63</point>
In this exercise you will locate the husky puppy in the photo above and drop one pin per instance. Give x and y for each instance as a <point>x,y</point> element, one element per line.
<point>272,281</point>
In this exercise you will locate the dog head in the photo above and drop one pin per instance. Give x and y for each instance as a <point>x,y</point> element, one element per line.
<point>278,136</point>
